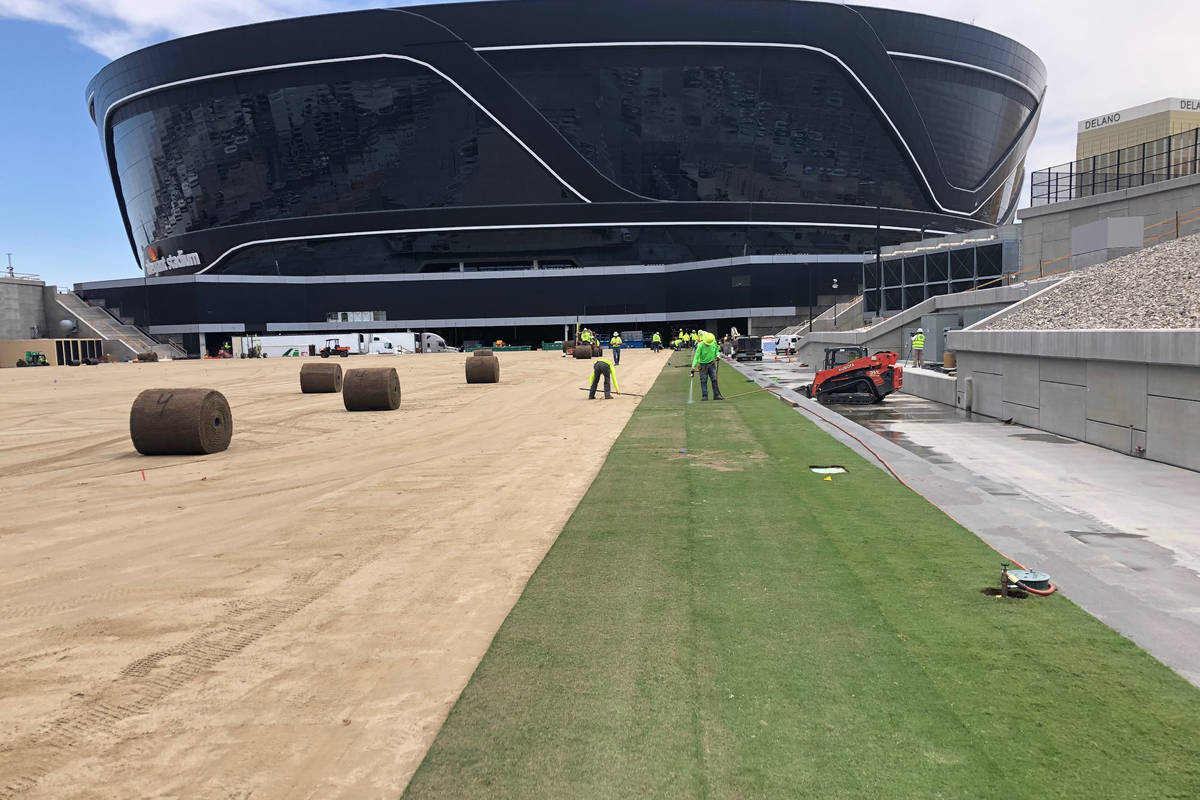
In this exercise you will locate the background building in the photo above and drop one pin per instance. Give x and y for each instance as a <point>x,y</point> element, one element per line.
<point>1116,130</point>
<point>479,166</point>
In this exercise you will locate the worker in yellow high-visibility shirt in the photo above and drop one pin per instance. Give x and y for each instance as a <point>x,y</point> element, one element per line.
<point>706,360</point>
<point>615,343</point>
<point>918,348</point>
<point>604,367</point>
<point>656,342</point>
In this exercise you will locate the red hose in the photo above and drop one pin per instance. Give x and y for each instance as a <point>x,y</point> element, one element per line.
<point>888,467</point>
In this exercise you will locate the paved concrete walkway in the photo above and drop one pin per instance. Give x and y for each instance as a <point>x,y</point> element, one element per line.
<point>1119,536</point>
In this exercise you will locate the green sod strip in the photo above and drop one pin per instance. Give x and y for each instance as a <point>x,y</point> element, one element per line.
<point>725,623</point>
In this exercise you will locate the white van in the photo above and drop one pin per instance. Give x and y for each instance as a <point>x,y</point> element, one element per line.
<point>786,343</point>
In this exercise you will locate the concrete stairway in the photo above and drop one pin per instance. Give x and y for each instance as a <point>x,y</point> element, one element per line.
<point>104,325</point>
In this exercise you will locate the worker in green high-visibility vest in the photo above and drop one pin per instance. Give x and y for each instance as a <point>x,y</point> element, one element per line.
<point>656,342</point>
<point>705,358</point>
<point>615,343</point>
<point>918,348</point>
<point>604,367</point>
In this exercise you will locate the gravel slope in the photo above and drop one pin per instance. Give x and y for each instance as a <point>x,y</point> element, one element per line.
<point>1158,287</point>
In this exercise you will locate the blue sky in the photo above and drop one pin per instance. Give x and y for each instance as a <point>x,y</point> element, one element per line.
<point>58,214</point>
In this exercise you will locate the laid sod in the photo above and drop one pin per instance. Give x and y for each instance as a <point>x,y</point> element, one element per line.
<point>725,623</point>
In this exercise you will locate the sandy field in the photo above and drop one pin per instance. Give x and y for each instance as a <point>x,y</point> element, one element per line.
<point>293,617</point>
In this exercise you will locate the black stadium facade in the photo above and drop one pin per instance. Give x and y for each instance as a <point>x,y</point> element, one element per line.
<point>469,167</point>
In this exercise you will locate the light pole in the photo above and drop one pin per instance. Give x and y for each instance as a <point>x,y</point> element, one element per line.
<point>810,299</point>
<point>835,286</point>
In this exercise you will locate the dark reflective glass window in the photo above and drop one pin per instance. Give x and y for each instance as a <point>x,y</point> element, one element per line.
<point>914,270</point>
<point>936,267</point>
<point>893,272</point>
<point>712,123</point>
<point>990,260</point>
<point>972,117</point>
<point>557,247</point>
<point>870,274</point>
<point>912,33</point>
<point>369,136</point>
<point>962,264</point>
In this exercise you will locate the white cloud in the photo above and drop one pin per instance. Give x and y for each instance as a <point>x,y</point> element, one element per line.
<point>1101,55</point>
<point>116,27</point>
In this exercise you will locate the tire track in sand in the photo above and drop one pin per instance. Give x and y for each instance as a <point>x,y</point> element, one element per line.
<point>147,681</point>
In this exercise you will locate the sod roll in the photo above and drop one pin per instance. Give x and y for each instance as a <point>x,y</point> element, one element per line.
<point>180,422</point>
<point>597,351</point>
<point>483,370</point>
<point>371,389</point>
<point>149,355</point>
<point>583,351</point>
<point>483,353</point>
<point>320,378</point>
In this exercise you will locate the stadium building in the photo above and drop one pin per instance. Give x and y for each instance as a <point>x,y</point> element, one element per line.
<point>504,168</point>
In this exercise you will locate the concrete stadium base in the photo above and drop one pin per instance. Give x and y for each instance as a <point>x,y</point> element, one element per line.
<point>1136,392</point>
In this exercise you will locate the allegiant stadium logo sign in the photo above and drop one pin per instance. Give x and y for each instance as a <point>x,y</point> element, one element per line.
<point>182,259</point>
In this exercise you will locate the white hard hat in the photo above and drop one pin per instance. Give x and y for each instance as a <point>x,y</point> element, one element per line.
<point>920,330</point>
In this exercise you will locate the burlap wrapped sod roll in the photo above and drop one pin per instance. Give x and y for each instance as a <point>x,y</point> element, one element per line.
<point>483,353</point>
<point>371,389</point>
<point>149,355</point>
<point>483,370</point>
<point>320,378</point>
<point>180,422</point>
<point>583,351</point>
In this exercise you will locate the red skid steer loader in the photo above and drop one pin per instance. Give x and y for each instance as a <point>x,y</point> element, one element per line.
<point>852,376</point>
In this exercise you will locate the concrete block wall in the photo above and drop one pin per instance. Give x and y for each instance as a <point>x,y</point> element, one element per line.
<point>1046,230</point>
<point>1136,392</point>
<point>22,313</point>
<point>930,385</point>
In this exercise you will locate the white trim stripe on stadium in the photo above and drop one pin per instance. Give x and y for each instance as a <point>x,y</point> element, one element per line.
<point>400,231</point>
<point>814,49</point>
<point>297,64</point>
<point>481,322</point>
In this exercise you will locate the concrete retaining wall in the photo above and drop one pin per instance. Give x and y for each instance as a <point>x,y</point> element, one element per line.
<point>1046,230</point>
<point>22,314</point>
<point>1137,392</point>
<point>930,385</point>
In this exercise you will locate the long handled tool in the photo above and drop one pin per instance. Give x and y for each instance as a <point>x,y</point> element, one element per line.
<point>754,391</point>
<point>630,394</point>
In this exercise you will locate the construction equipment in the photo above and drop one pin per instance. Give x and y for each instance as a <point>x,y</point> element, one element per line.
<point>334,347</point>
<point>33,358</point>
<point>851,375</point>
<point>748,348</point>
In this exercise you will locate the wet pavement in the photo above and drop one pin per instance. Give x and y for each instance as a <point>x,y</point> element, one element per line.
<point>1119,535</point>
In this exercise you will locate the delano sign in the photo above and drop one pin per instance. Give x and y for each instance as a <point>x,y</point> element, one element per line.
<point>1137,112</point>
<point>1100,122</point>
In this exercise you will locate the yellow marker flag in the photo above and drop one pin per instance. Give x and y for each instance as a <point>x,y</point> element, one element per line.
<point>828,477</point>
